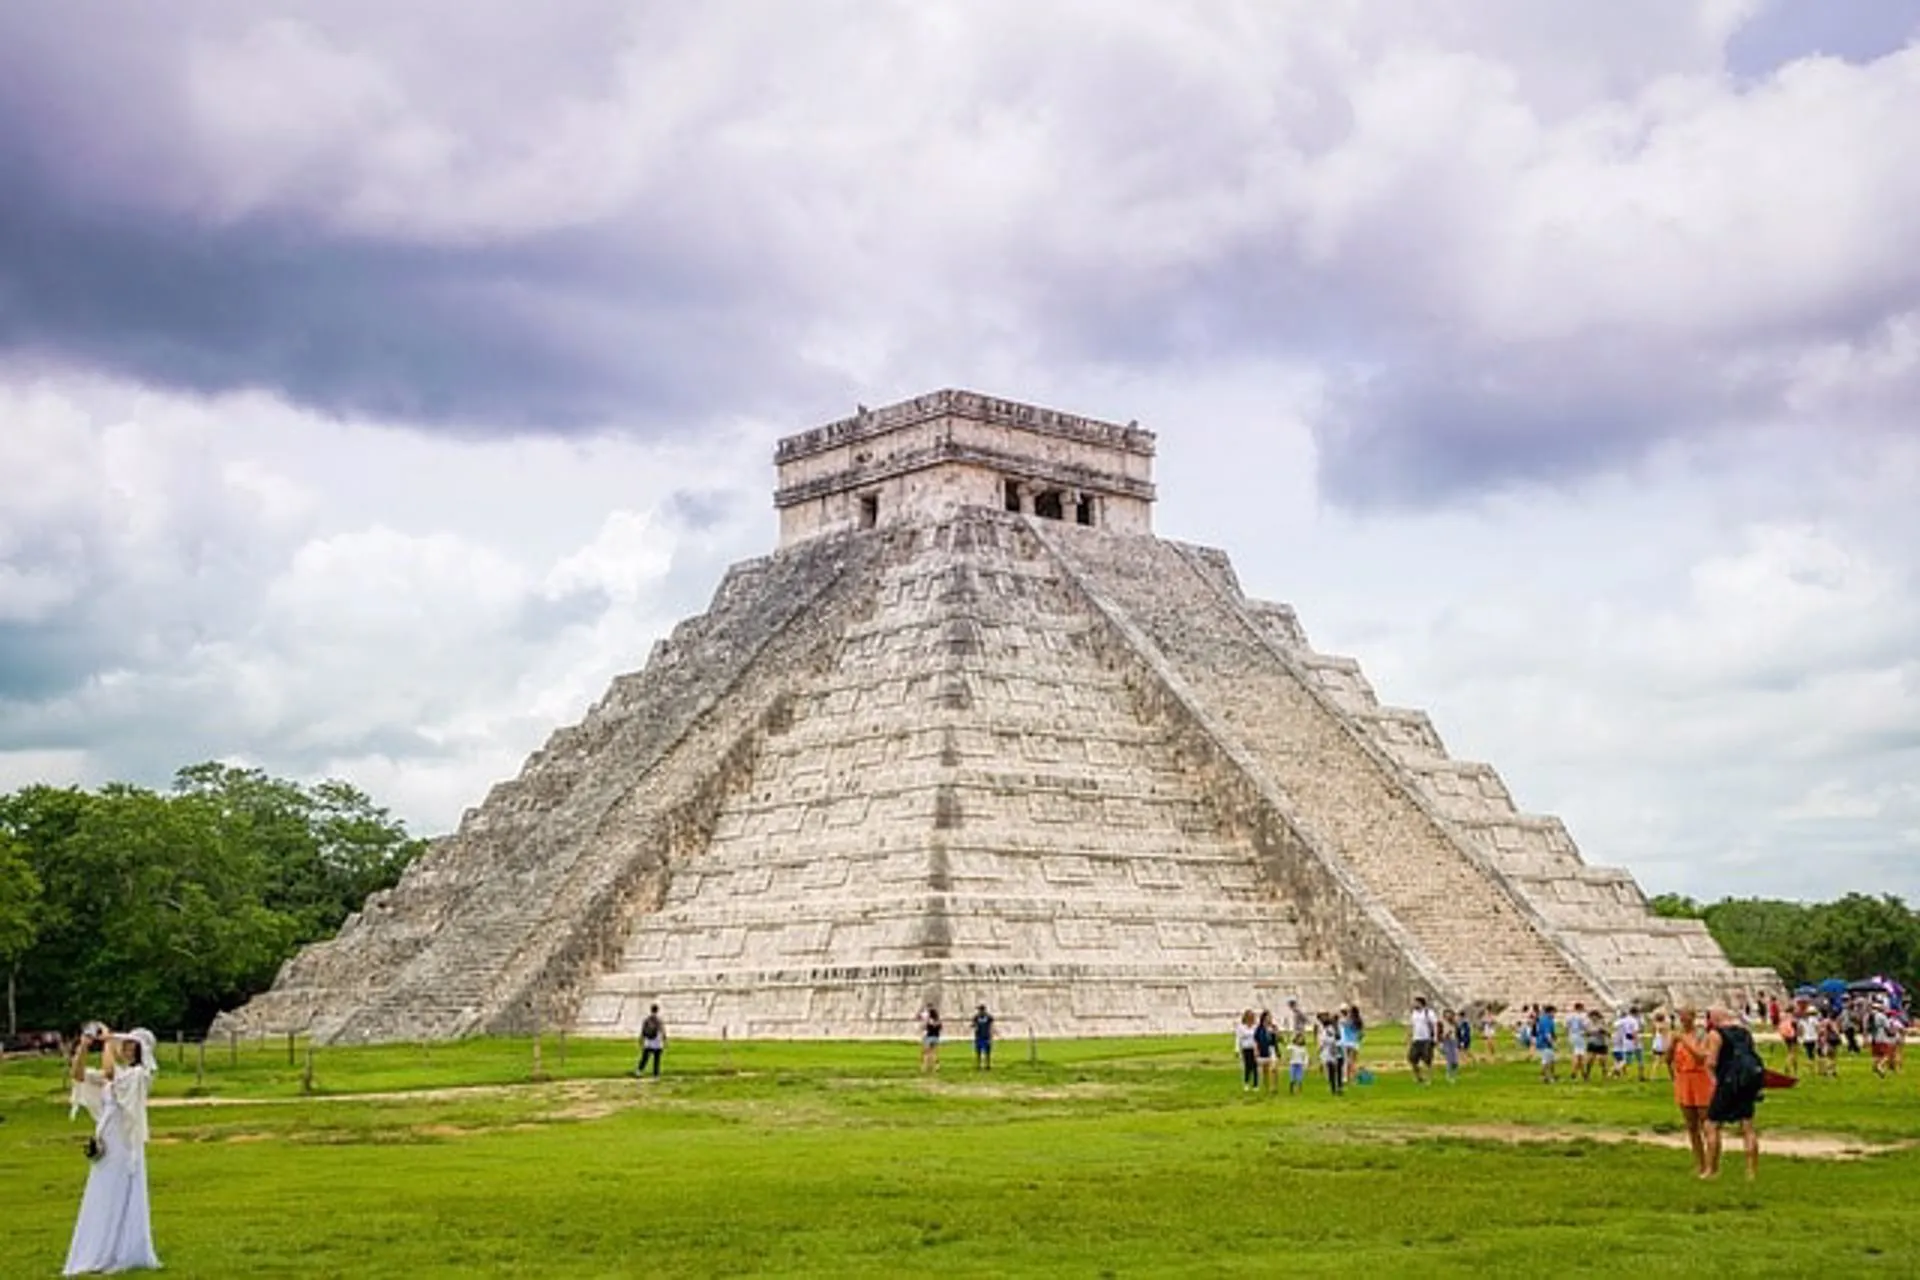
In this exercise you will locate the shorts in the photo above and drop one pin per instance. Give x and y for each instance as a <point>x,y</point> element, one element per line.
<point>1296,1071</point>
<point>983,1046</point>
<point>930,1042</point>
<point>1883,1049</point>
<point>1546,1057</point>
<point>1420,1053</point>
<point>1730,1108</point>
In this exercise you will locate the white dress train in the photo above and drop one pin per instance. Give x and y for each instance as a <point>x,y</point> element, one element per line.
<point>114,1232</point>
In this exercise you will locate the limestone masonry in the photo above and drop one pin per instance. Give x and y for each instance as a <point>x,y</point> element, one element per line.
<point>974,734</point>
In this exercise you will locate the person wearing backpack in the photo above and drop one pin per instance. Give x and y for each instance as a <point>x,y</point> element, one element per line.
<point>653,1042</point>
<point>1739,1081</point>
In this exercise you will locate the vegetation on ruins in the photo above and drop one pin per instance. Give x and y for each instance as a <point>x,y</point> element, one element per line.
<point>1136,1157</point>
<point>160,908</point>
<point>1856,936</point>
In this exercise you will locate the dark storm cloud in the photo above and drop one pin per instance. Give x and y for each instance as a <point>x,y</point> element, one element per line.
<point>357,327</point>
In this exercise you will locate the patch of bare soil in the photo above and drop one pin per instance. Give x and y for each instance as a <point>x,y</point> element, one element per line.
<point>1796,1145</point>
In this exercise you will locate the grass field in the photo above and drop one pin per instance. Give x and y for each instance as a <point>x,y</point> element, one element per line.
<point>1104,1157</point>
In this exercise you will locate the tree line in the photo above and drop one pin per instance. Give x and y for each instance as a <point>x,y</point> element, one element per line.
<point>1853,937</point>
<point>160,908</point>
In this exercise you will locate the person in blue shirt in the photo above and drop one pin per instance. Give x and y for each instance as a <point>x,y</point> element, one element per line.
<point>1544,1030</point>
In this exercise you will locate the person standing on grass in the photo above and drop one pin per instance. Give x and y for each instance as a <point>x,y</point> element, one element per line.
<point>1297,1063</point>
<point>930,1029</point>
<point>1247,1045</point>
<point>1423,1032</point>
<point>1450,1044</point>
<point>1577,1040</point>
<point>1688,1064</point>
<point>1463,1035</point>
<point>114,1231</point>
<point>1331,1056</point>
<point>1544,1030</point>
<point>1490,1035</point>
<point>653,1042</point>
<point>1353,1030</point>
<point>1626,1031</point>
<point>1881,1039</point>
<point>1596,1045</point>
<point>1738,1080</point>
<point>1266,1043</point>
<point>1660,1042</point>
<point>982,1039</point>
<point>1789,1028</point>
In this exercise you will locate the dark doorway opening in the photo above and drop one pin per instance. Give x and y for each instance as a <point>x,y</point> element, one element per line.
<point>1048,505</point>
<point>1013,495</point>
<point>1083,511</point>
<point>869,510</point>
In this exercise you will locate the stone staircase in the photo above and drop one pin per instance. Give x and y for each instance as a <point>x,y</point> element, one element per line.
<point>964,809</point>
<point>492,929</point>
<point>1485,940</point>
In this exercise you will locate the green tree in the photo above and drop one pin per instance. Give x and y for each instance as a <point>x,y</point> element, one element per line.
<point>20,895</point>
<point>1674,906</point>
<point>163,908</point>
<point>1859,936</point>
<point>1764,932</point>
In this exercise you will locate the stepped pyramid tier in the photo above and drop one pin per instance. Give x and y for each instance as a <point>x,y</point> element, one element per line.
<point>974,735</point>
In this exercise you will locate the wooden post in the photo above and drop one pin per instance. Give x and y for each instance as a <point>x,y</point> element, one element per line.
<point>726,1053</point>
<point>200,1065</point>
<point>180,1048</point>
<point>538,1072</point>
<point>233,1047</point>
<point>563,1049</point>
<point>1033,1047</point>
<point>290,1048</point>
<point>306,1081</point>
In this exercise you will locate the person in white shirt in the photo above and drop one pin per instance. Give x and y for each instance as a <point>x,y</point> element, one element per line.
<point>1577,1040</point>
<point>1423,1032</point>
<point>1626,1043</point>
<point>114,1231</point>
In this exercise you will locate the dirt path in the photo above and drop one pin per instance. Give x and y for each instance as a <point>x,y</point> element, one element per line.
<point>1795,1145</point>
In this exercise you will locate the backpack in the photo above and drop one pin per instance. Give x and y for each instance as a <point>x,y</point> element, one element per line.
<point>1746,1074</point>
<point>650,1029</point>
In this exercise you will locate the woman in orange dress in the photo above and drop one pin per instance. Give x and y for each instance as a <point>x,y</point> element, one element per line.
<point>1692,1083</point>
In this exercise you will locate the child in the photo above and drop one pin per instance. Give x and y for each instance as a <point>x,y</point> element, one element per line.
<point>1450,1044</point>
<point>1297,1063</point>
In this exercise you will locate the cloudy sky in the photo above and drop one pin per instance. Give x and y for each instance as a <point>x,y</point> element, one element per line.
<point>377,380</point>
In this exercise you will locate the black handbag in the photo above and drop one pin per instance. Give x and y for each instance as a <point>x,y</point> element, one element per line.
<point>96,1150</point>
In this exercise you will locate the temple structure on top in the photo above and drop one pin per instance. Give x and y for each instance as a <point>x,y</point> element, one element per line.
<point>973,733</point>
<point>926,458</point>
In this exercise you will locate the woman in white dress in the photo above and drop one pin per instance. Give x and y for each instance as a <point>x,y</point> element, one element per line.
<point>114,1232</point>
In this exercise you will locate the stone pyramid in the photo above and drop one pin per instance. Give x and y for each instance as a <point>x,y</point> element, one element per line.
<point>974,734</point>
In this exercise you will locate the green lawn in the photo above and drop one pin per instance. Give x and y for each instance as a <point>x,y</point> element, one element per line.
<point>1105,1157</point>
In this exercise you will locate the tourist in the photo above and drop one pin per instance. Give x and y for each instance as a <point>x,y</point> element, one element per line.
<point>1789,1028</point>
<point>1880,1038</point>
<point>1423,1032</point>
<point>1738,1080</point>
<point>1353,1030</point>
<point>982,1039</point>
<point>1544,1030</point>
<point>1596,1045</point>
<point>114,1231</point>
<point>653,1042</point>
<point>1299,1022</point>
<point>1266,1044</point>
<point>1463,1036</point>
<point>1490,1035</point>
<point>1450,1044</point>
<point>929,1040</point>
<point>1660,1042</point>
<point>1687,1063</point>
<point>1577,1039</point>
<point>1297,1063</point>
<point>1245,1040</point>
<point>1331,1056</point>
<point>1626,1043</point>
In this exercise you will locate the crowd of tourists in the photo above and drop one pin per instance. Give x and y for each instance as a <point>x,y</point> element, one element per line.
<point>1711,1059</point>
